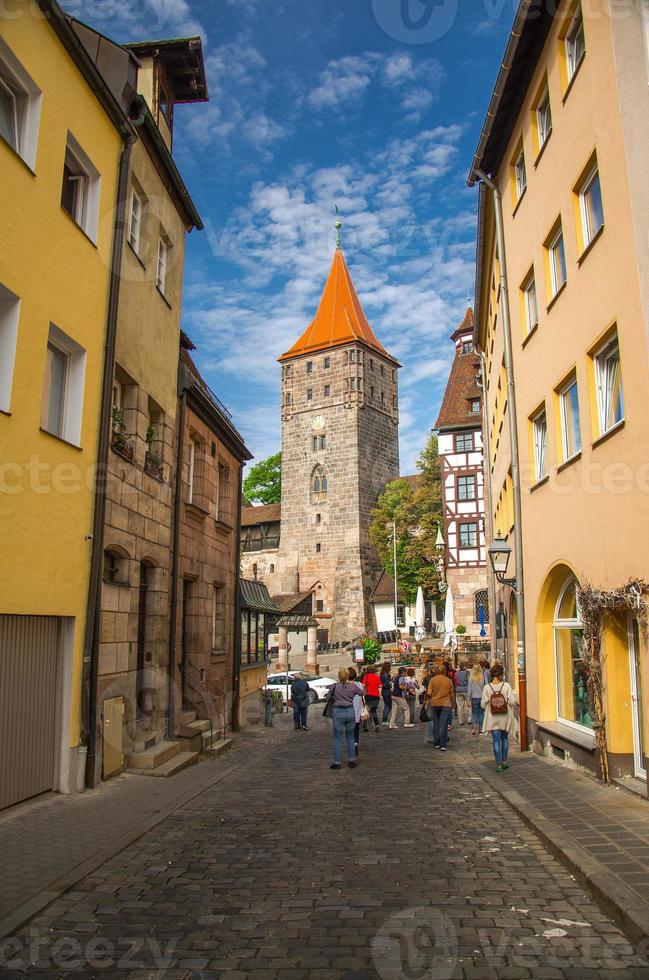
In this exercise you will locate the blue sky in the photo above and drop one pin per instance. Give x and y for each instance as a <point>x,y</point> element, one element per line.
<point>375,105</point>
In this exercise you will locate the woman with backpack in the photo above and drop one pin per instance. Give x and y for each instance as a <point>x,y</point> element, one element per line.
<point>498,700</point>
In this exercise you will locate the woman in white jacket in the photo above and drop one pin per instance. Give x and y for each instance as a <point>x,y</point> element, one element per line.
<point>498,700</point>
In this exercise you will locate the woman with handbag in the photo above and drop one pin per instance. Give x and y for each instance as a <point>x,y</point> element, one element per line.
<point>340,708</point>
<point>498,700</point>
<point>359,708</point>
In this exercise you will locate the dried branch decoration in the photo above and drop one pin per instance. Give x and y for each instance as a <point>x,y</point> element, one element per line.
<point>594,605</point>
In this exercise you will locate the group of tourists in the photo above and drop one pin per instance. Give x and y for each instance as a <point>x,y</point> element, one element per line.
<point>479,694</point>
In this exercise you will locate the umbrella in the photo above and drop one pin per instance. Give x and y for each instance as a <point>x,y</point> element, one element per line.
<point>420,608</point>
<point>450,638</point>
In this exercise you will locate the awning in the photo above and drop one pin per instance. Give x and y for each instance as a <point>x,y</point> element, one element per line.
<point>254,595</point>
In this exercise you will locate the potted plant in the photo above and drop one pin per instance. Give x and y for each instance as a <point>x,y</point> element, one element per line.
<point>152,461</point>
<point>119,440</point>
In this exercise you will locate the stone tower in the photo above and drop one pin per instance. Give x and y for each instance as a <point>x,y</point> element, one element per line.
<point>340,446</point>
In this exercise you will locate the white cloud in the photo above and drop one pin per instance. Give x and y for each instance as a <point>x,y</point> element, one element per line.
<point>343,81</point>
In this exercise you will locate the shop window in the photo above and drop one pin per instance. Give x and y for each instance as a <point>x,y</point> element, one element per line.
<point>572,670</point>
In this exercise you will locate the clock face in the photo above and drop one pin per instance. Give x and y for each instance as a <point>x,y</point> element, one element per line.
<point>318,422</point>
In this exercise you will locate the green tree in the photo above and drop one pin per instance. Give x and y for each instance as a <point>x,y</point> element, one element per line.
<point>263,484</point>
<point>417,512</point>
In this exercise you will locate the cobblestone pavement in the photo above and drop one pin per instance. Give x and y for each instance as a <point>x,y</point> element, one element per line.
<point>408,866</point>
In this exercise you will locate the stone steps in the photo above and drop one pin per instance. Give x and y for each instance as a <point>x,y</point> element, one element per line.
<point>169,768</point>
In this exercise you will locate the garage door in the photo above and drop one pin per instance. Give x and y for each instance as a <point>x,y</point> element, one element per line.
<point>29,656</point>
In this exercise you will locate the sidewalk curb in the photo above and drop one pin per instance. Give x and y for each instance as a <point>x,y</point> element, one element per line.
<point>628,910</point>
<point>23,913</point>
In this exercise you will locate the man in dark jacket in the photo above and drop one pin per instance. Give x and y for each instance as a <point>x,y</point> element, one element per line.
<point>300,699</point>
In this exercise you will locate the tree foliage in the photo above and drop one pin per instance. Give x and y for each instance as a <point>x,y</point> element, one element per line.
<point>263,484</point>
<point>417,512</point>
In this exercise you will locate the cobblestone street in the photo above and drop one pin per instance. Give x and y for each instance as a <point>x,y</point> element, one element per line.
<point>409,866</point>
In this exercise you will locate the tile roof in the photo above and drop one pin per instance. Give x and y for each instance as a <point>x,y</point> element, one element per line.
<point>254,595</point>
<point>290,600</point>
<point>384,589</point>
<point>461,386</point>
<point>260,514</point>
<point>339,318</point>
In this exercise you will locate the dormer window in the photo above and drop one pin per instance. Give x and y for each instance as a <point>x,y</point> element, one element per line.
<point>467,347</point>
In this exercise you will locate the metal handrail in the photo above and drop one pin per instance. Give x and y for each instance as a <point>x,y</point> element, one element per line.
<point>196,680</point>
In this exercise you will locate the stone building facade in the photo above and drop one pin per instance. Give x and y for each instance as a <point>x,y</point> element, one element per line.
<point>133,666</point>
<point>340,415</point>
<point>212,455</point>
<point>459,429</point>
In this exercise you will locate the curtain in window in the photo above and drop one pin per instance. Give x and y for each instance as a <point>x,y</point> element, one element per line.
<point>541,445</point>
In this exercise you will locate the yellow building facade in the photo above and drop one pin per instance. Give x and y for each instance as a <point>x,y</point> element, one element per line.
<point>60,149</point>
<point>562,143</point>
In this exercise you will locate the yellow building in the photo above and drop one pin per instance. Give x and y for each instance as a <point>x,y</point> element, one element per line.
<point>564,143</point>
<point>62,135</point>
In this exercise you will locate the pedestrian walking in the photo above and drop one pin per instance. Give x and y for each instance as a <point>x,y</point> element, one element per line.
<point>300,699</point>
<point>412,689</point>
<point>498,700</point>
<point>462,694</point>
<point>440,698</point>
<point>386,691</point>
<point>372,685</point>
<point>359,703</point>
<point>341,696</point>
<point>486,667</point>
<point>399,702</point>
<point>476,687</point>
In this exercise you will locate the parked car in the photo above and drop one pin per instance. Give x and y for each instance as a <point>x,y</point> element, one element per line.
<point>318,686</point>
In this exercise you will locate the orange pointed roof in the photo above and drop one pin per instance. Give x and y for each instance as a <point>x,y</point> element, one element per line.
<point>339,318</point>
<point>466,326</point>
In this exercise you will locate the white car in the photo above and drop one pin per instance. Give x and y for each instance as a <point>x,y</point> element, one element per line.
<point>318,686</point>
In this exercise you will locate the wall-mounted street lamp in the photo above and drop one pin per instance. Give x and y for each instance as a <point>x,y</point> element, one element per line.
<point>499,555</point>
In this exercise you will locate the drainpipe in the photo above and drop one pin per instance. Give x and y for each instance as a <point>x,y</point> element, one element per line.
<point>236,633</point>
<point>185,382</point>
<point>486,450</point>
<point>513,437</point>
<point>91,638</point>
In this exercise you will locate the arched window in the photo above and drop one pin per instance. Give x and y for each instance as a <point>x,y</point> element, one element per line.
<point>115,566</point>
<point>481,601</point>
<point>572,670</point>
<point>319,482</point>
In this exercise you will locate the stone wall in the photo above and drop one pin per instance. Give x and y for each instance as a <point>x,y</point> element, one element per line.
<point>464,583</point>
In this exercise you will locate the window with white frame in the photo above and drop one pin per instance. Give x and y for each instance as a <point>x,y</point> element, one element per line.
<point>466,487</point>
<point>540,437</point>
<point>592,210</point>
<point>544,118</point>
<point>571,664</point>
<point>474,406</point>
<point>468,535</point>
<point>608,380</point>
<point>520,174</point>
<point>464,442</point>
<point>164,251</point>
<point>80,188</point>
<point>20,106</point>
<point>218,619</point>
<point>63,384</point>
<point>136,221</point>
<point>9,313</point>
<point>570,427</point>
<point>530,303</point>
<point>557,260</point>
<point>575,43</point>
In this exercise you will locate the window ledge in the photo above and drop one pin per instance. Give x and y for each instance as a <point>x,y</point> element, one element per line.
<point>518,203</point>
<point>556,296</point>
<point>135,253</point>
<point>67,442</point>
<point>162,295</point>
<point>568,462</point>
<point>542,150</point>
<point>584,739</point>
<point>3,412</point>
<point>530,334</point>
<point>17,155</point>
<point>609,432</point>
<point>195,511</point>
<point>589,247</point>
<point>223,526</point>
<point>79,227</point>
<point>540,483</point>
<point>572,80</point>
<point>218,654</point>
